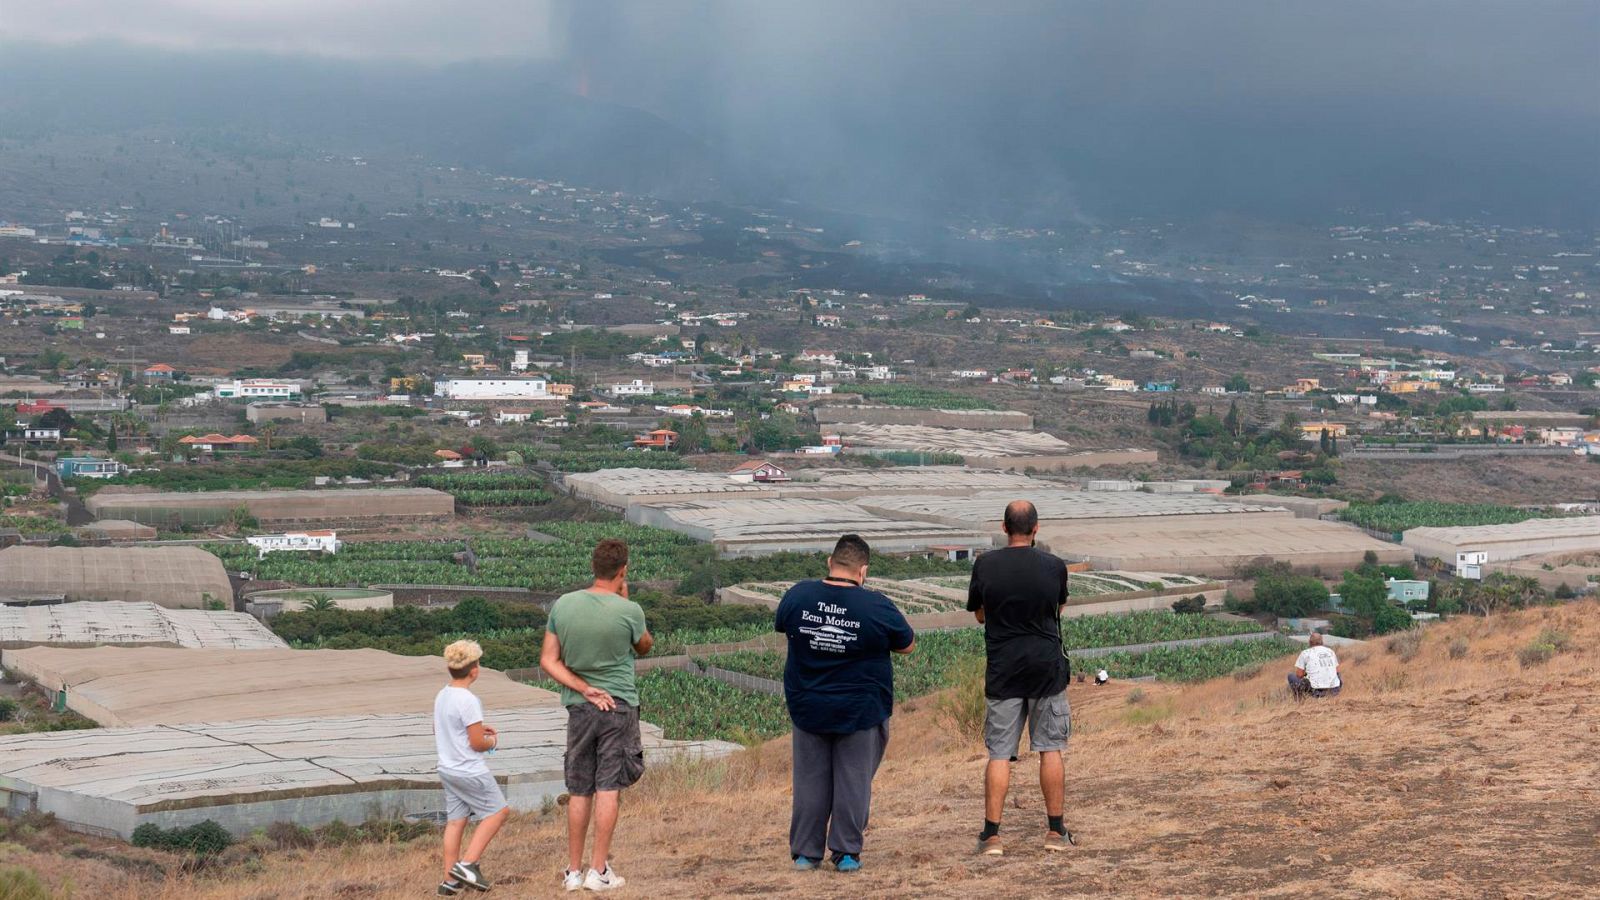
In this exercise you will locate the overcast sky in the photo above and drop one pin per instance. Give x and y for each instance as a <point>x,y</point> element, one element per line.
<point>1477,100</point>
<point>422,30</point>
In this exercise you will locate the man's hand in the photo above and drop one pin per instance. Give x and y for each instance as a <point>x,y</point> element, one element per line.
<point>490,732</point>
<point>600,698</point>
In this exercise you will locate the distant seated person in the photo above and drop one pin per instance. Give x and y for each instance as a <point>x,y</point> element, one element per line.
<point>1316,672</point>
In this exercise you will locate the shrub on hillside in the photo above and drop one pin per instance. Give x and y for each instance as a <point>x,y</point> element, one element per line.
<point>204,839</point>
<point>1195,604</point>
<point>1459,648</point>
<point>1290,596</point>
<point>963,707</point>
<point>1406,645</point>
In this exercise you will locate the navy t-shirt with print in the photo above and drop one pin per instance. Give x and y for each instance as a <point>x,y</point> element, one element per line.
<point>839,678</point>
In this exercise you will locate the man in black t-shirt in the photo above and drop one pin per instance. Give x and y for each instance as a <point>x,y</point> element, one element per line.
<point>1017,594</point>
<point>839,686</point>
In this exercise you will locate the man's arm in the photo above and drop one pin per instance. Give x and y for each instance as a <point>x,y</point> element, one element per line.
<point>975,596</point>
<point>550,662</point>
<point>642,645</point>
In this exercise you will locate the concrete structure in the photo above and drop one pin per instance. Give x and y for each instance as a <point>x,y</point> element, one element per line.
<point>619,488</point>
<point>176,577</point>
<point>124,686</point>
<point>491,389</point>
<point>88,467</point>
<point>1577,534</point>
<point>985,509</point>
<point>303,541</point>
<point>266,604</point>
<point>117,530</point>
<point>1578,571</point>
<point>256,389</point>
<point>1214,545</point>
<point>1016,450</point>
<point>131,624</point>
<point>301,413</point>
<point>1302,507</point>
<point>756,527</point>
<point>245,775</point>
<point>352,506</point>
<point>971,419</point>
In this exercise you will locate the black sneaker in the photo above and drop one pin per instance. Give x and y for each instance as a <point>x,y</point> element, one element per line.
<point>468,874</point>
<point>451,888</point>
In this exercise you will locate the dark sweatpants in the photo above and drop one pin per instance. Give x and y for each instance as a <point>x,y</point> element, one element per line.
<point>833,780</point>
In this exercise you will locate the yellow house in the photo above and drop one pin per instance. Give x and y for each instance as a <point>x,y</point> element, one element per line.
<point>1315,429</point>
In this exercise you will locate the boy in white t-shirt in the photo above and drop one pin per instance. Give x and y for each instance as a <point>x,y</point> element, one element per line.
<point>470,790</point>
<point>1316,671</point>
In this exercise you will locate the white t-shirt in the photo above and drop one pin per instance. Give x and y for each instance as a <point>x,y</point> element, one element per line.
<point>1321,665</point>
<point>453,710</point>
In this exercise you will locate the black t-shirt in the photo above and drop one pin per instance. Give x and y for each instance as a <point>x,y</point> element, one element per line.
<point>1020,590</point>
<point>838,679</point>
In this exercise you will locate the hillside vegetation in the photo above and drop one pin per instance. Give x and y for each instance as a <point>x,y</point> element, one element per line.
<point>1459,762</point>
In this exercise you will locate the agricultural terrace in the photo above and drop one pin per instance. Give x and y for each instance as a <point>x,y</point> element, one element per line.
<point>949,594</point>
<point>656,556</point>
<point>1398,517</point>
<point>31,525</point>
<point>595,460</point>
<point>511,633</point>
<point>242,475</point>
<point>500,488</point>
<point>559,565</point>
<point>713,709</point>
<point>913,395</point>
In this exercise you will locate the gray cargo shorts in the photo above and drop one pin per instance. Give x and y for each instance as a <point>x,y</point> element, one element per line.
<point>1049,721</point>
<point>604,750</point>
<point>471,796</point>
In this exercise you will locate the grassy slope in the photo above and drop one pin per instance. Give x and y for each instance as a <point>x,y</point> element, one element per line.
<point>1434,777</point>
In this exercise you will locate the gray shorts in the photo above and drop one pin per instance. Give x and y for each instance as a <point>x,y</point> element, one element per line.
<point>604,751</point>
<point>471,796</point>
<point>1049,721</point>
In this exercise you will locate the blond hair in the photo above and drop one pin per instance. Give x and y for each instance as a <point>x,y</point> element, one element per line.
<point>461,656</point>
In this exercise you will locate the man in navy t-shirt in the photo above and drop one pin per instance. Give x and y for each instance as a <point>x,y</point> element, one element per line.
<point>839,686</point>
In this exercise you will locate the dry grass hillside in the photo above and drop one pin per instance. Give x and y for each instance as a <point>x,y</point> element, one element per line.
<point>1448,768</point>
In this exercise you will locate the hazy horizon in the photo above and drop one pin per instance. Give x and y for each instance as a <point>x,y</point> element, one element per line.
<point>1038,113</point>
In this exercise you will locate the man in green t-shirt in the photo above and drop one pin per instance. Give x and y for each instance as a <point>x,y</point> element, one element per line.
<point>590,643</point>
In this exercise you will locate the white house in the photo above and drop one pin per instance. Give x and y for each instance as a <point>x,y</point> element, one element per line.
<point>758,471</point>
<point>828,320</point>
<point>634,388</point>
<point>876,373</point>
<point>826,357</point>
<point>971,373</point>
<point>314,541</point>
<point>819,390</point>
<point>256,389</point>
<point>470,389</point>
<point>511,416</point>
<point>178,329</point>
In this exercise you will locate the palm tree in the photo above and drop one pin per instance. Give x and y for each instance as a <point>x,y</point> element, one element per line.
<point>320,603</point>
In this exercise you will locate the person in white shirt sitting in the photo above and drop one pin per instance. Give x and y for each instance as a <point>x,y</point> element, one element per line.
<point>1316,672</point>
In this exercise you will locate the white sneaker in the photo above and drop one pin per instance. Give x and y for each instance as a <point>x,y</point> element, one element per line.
<point>603,881</point>
<point>572,880</point>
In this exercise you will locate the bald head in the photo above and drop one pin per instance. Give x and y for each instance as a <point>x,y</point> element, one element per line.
<point>1021,519</point>
<point>1315,639</point>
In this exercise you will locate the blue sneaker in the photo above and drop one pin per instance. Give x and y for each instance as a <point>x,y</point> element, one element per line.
<point>806,864</point>
<point>848,863</point>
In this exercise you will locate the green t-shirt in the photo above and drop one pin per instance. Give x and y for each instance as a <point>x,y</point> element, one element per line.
<point>597,633</point>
